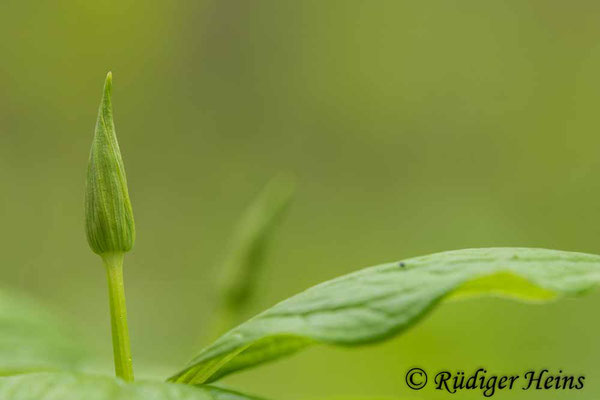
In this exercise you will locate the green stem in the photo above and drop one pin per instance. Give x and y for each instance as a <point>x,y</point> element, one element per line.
<point>118,315</point>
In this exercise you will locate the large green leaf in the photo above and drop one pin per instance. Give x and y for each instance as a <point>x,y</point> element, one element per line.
<point>64,386</point>
<point>347,397</point>
<point>378,302</point>
<point>33,339</point>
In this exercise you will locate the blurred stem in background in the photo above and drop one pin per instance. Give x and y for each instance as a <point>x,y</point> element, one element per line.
<point>246,252</point>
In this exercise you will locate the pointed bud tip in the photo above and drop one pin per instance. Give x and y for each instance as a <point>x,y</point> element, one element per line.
<point>108,82</point>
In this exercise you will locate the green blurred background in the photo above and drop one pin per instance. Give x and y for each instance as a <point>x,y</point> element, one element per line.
<point>412,127</point>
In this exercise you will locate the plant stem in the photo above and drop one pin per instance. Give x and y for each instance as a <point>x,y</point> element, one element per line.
<point>118,315</point>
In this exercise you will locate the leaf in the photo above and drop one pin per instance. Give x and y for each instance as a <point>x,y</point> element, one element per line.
<point>31,339</point>
<point>66,386</point>
<point>241,268</point>
<point>347,397</point>
<point>218,393</point>
<point>376,303</point>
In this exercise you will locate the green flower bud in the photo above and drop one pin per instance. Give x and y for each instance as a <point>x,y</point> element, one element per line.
<point>108,214</point>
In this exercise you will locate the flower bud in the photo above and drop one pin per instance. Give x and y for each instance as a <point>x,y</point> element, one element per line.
<point>108,214</point>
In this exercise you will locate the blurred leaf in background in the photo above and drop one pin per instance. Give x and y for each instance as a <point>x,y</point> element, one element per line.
<point>67,386</point>
<point>245,256</point>
<point>32,339</point>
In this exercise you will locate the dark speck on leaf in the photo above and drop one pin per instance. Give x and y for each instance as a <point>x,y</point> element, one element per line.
<point>402,265</point>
